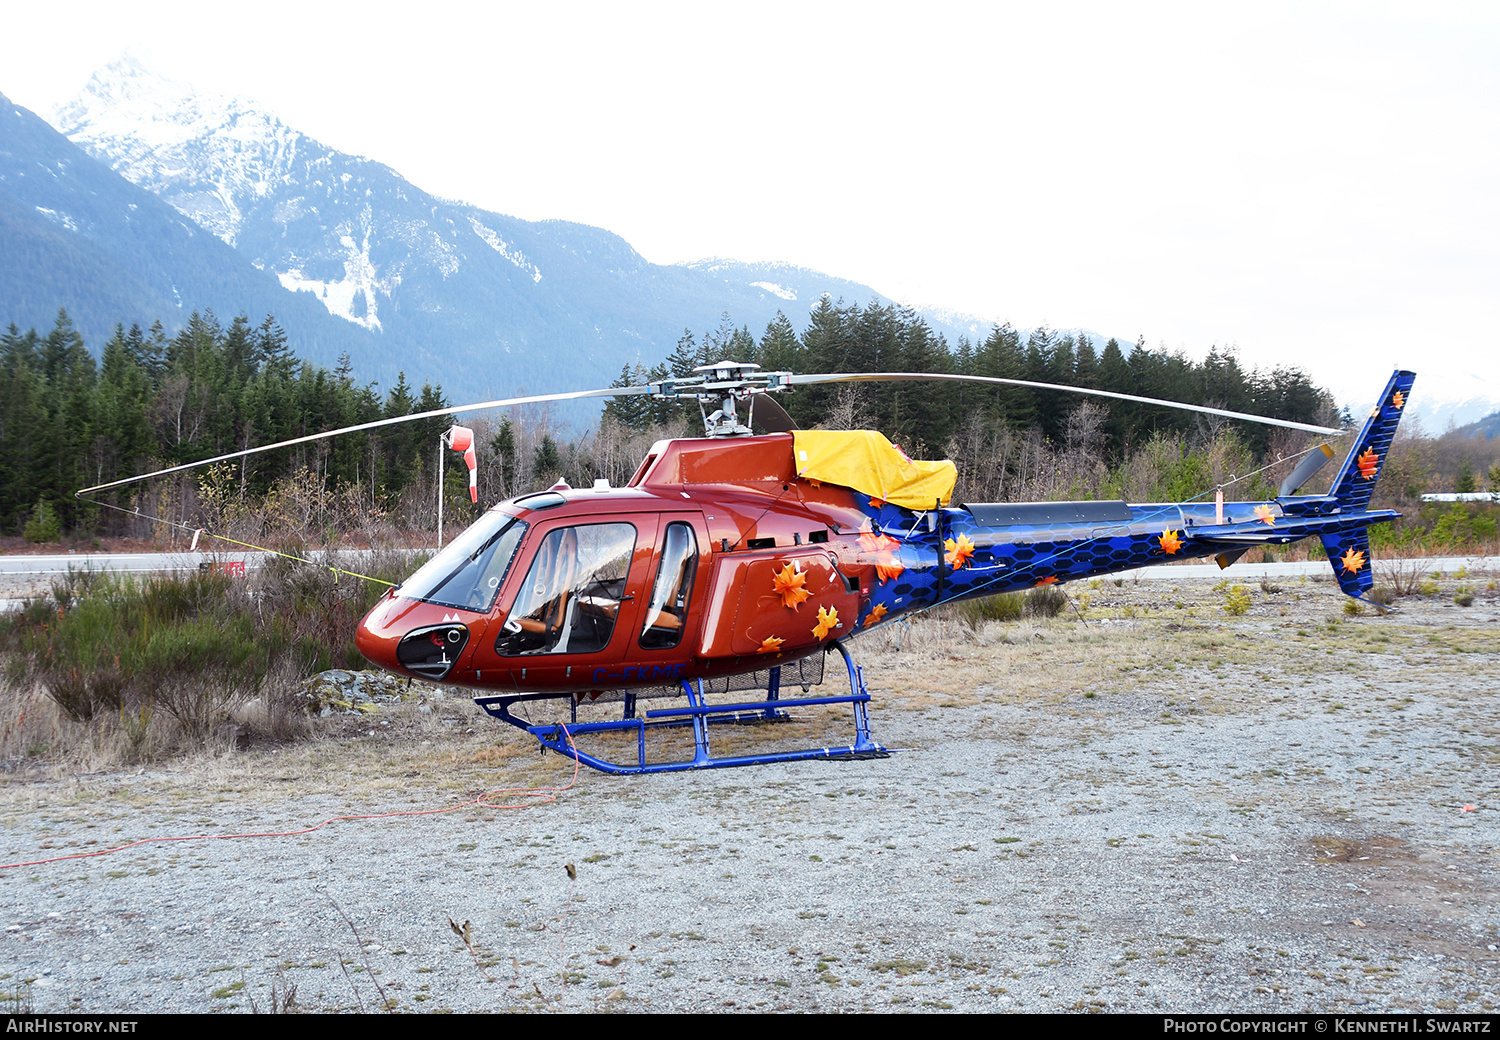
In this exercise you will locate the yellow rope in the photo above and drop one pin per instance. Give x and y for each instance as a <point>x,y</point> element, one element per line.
<point>248,545</point>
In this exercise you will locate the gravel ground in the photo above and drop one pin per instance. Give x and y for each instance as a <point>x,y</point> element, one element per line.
<point>1158,808</point>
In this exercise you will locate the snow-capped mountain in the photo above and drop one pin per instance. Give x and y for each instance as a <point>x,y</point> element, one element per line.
<point>75,235</point>
<point>1444,397</point>
<point>1452,408</point>
<point>443,287</point>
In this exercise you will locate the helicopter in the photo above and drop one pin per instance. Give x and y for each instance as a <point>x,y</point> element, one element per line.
<point>737,562</point>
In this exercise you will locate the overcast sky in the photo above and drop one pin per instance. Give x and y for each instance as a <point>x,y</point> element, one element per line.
<point>1318,184</point>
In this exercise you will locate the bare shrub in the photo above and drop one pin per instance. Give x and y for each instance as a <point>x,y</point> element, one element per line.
<point>1408,467</point>
<point>32,726</point>
<point>613,451</point>
<point>848,411</point>
<point>1284,453</point>
<point>1403,577</point>
<point>984,457</point>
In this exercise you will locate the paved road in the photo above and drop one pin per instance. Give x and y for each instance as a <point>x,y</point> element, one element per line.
<point>23,576</point>
<point>26,567</point>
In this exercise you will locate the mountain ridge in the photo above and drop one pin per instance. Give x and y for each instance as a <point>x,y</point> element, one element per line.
<point>440,285</point>
<point>78,237</point>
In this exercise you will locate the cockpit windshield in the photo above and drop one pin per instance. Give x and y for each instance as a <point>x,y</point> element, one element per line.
<point>468,573</point>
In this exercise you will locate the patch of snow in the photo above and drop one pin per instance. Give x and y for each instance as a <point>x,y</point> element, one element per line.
<point>709,264</point>
<point>776,290</point>
<point>498,244</point>
<point>339,297</point>
<point>57,218</point>
<point>440,255</point>
<point>980,326</point>
<point>287,211</point>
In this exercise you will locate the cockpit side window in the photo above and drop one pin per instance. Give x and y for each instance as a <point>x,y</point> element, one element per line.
<point>571,597</point>
<point>667,611</point>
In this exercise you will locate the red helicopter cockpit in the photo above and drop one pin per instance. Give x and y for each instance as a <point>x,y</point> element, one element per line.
<point>564,600</point>
<point>538,595</point>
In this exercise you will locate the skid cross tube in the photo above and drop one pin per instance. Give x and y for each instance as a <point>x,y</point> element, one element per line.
<point>700,715</point>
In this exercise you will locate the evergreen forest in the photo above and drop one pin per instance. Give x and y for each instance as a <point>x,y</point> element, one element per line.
<point>67,421</point>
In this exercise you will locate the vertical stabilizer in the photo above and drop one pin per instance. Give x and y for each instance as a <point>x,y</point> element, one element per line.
<point>1356,481</point>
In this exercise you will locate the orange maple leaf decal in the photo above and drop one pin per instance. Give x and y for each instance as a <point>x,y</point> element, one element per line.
<point>876,503</point>
<point>959,552</point>
<point>1368,463</point>
<point>883,548</point>
<point>876,614</point>
<point>1264,513</point>
<point>1398,399</point>
<point>828,620</point>
<point>1353,560</point>
<point>1170,542</point>
<point>771,645</point>
<point>788,585</point>
<point>1050,579</point>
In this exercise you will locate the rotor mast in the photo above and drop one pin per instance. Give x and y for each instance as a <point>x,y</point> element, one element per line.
<point>728,382</point>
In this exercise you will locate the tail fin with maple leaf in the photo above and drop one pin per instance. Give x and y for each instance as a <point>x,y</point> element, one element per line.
<point>1349,549</point>
<point>1356,480</point>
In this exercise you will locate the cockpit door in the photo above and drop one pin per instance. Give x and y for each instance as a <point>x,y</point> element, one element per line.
<point>596,605</point>
<point>568,603</point>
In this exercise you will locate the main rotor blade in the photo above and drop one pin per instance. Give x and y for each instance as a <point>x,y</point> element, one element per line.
<point>890,377</point>
<point>577,395</point>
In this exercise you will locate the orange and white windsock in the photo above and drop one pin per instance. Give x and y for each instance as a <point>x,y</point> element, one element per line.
<point>461,438</point>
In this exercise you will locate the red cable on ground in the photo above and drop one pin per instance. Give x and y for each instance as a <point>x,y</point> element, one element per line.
<point>538,796</point>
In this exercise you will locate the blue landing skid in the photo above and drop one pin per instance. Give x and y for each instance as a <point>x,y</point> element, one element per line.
<point>699,715</point>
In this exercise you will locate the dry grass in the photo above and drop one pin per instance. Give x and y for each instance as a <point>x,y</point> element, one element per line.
<point>108,671</point>
<point>1152,636</point>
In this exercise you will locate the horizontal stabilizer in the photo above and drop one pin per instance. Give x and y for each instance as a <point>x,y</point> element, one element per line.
<point>1262,536</point>
<point>1232,540</point>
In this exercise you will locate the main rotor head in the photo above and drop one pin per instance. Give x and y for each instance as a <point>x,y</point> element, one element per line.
<point>726,384</point>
